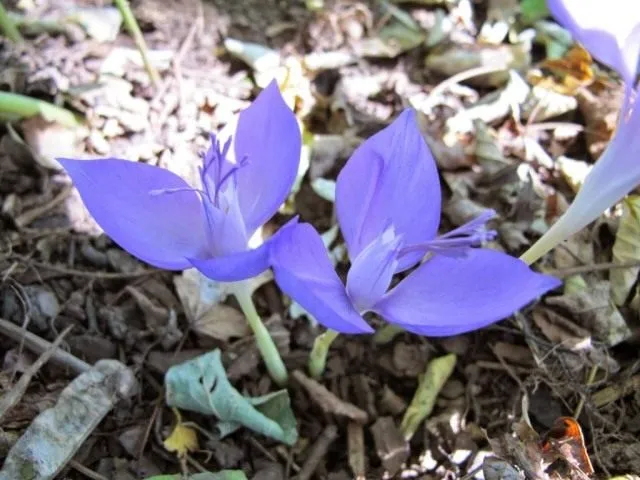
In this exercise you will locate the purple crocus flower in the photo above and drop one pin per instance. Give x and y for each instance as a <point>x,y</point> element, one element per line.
<point>388,206</point>
<point>610,31</point>
<point>156,216</point>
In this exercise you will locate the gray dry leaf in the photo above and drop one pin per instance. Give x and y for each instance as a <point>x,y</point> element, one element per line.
<point>495,468</point>
<point>391,40</point>
<point>460,58</point>
<point>101,23</point>
<point>57,433</point>
<point>492,107</point>
<point>544,104</point>
<point>201,299</point>
<point>593,310</point>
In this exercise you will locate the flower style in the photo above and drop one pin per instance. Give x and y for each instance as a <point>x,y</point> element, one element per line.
<point>610,31</point>
<point>388,206</point>
<point>156,216</point>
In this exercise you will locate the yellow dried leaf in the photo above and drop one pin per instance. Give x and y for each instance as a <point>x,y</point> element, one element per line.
<point>572,71</point>
<point>182,440</point>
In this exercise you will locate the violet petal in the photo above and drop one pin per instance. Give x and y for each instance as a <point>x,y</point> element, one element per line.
<point>303,271</point>
<point>451,295</point>
<point>127,200</point>
<point>390,179</point>
<point>267,134</point>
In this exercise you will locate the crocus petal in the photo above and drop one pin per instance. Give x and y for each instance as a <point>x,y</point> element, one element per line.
<point>390,179</point>
<point>451,295</point>
<point>608,29</point>
<point>371,271</point>
<point>615,174</point>
<point>127,200</point>
<point>303,271</point>
<point>268,135</point>
<point>235,266</point>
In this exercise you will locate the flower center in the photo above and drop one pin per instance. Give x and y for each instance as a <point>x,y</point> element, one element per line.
<point>217,170</point>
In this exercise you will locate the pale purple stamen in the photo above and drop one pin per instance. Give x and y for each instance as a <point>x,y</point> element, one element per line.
<point>472,234</point>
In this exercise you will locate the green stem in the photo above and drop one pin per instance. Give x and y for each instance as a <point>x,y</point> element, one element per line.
<point>14,106</point>
<point>387,334</point>
<point>8,27</point>
<point>319,352</point>
<point>133,28</point>
<point>266,346</point>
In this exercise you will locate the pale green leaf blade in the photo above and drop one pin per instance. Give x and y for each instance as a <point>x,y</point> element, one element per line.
<point>626,249</point>
<point>221,475</point>
<point>436,375</point>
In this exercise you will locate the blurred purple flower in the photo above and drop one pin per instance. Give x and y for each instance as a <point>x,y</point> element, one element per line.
<point>610,31</point>
<point>388,205</point>
<point>156,216</point>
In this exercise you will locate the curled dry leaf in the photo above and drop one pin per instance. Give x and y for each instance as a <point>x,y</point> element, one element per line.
<point>201,299</point>
<point>595,311</point>
<point>48,140</point>
<point>201,385</point>
<point>600,110</point>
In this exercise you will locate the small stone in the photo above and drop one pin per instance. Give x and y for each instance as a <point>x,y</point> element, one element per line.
<point>452,389</point>
<point>98,143</point>
<point>458,344</point>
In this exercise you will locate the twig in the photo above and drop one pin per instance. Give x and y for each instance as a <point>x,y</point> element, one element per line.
<point>329,402</point>
<point>132,25</point>
<point>93,275</point>
<point>39,345</point>
<point>355,445</point>
<point>460,77</point>
<point>590,379</point>
<point>552,126</point>
<point>25,218</point>
<point>11,398</point>
<point>614,392</point>
<point>86,471</point>
<point>317,452</point>
<point>487,365</point>
<point>143,441</point>
<point>598,267</point>
<point>184,48</point>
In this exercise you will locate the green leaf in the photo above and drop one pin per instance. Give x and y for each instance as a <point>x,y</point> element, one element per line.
<point>626,249</point>
<point>533,10</point>
<point>221,475</point>
<point>201,385</point>
<point>429,386</point>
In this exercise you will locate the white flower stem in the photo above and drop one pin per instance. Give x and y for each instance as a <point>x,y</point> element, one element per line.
<point>266,346</point>
<point>558,232</point>
<point>319,352</point>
